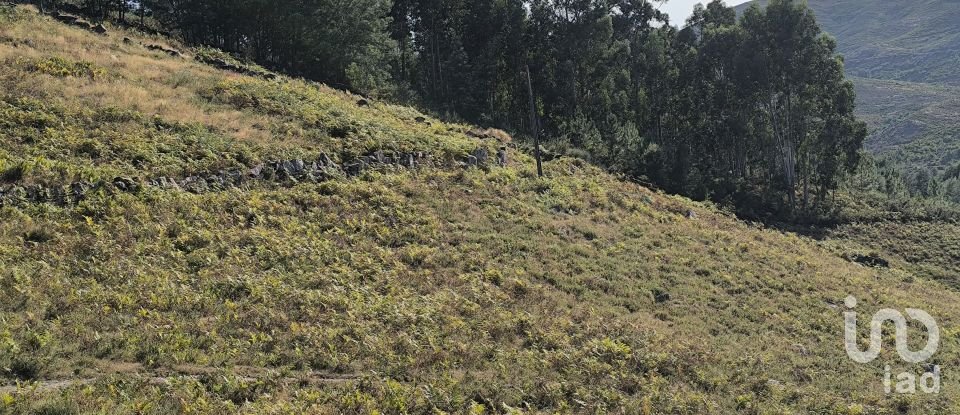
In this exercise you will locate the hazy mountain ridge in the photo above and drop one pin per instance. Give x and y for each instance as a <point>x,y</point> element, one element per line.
<point>904,57</point>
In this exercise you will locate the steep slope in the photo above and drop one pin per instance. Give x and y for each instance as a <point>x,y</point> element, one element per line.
<point>368,283</point>
<point>905,57</point>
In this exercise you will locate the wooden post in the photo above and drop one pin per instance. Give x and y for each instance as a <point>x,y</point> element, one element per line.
<point>534,125</point>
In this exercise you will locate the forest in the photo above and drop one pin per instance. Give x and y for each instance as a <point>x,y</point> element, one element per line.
<point>751,111</point>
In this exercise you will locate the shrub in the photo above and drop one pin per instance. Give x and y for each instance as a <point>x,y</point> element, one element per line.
<point>62,67</point>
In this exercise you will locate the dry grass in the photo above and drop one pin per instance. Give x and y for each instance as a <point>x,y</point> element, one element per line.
<point>432,291</point>
<point>146,81</point>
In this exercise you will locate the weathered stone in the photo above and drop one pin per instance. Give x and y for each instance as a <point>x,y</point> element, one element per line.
<point>37,194</point>
<point>298,166</point>
<point>326,161</point>
<point>168,183</point>
<point>58,196</point>
<point>78,191</point>
<point>126,184</point>
<point>354,169</point>
<point>481,154</point>
<point>363,103</point>
<point>65,18</point>
<point>194,184</point>
<point>99,29</point>
<point>16,195</point>
<point>233,178</point>
<point>502,157</point>
<point>471,160</point>
<point>256,171</point>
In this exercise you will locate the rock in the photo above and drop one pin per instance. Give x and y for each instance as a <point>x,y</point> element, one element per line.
<point>325,160</point>
<point>870,260</point>
<point>502,157</point>
<point>354,169</point>
<point>127,41</point>
<point>36,193</point>
<point>194,184</point>
<point>65,18</point>
<point>287,168</point>
<point>168,183</point>
<point>126,184</point>
<point>256,171</point>
<point>363,103</point>
<point>471,160</point>
<point>58,196</point>
<point>298,166</point>
<point>78,191</point>
<point>16,195</point>
<point>215,182</point>
<point>660,296</point>
<point>99,29</point>
<point>233,177</point>
<point>422,120</point>
<point>481,154</point>
<point>691,214</point>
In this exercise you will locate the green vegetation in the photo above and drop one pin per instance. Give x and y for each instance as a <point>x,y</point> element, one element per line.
<point>903,60</point>
<point>441,289</point>
<point>754,113</point>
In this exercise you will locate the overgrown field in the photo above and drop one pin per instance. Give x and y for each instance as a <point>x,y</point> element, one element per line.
<point>443,288</point>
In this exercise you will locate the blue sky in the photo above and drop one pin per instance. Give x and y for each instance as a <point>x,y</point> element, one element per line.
<point>679,10</point>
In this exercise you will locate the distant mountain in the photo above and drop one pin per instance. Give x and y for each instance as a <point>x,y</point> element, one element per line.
<point>905,58</point>
<point>916,41</point>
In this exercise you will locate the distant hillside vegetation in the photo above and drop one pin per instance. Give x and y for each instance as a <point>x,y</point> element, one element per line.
<point>917,46</point>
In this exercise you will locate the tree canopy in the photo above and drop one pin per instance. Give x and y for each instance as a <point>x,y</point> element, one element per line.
<point>753,109</point>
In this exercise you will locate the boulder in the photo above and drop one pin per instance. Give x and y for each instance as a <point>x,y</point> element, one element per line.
<point>194,184</point>
<point>256,171</point>
<point>58,196</point>
<point>353,169</point>
<point>481,154</point>
<point>78,191</point>
<point>870,260</point>
<point>298,166</point>
<point>126,184</point>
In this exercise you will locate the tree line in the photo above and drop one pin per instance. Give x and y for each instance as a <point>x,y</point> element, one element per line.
<point>751,109</point>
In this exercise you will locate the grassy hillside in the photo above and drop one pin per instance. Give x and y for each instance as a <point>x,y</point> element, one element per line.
<point>367,285</point>
<point>904,57</point>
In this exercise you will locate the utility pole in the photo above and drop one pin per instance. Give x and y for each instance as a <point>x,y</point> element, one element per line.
<point>535,125</point>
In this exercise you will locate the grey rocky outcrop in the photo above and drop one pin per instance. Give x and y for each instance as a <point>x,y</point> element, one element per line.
<point>289,171</point>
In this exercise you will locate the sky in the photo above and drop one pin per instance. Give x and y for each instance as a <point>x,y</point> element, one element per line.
<point>679,10</point>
